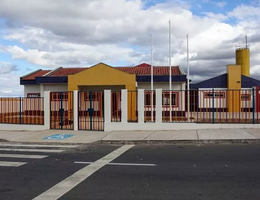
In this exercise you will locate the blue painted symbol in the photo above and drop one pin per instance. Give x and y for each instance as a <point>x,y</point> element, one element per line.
<point>58,137</point>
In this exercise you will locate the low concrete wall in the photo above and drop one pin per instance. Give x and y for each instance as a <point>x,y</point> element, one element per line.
<point>18,127</point>
<point>119,126</point>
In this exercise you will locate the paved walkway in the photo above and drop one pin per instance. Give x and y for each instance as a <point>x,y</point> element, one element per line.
<point>128,136</point>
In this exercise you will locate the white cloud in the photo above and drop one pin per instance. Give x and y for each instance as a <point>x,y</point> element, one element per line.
<point>9,80</point>
<point>81,33</point>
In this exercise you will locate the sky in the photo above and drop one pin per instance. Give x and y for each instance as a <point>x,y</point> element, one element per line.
<point>47,34</point>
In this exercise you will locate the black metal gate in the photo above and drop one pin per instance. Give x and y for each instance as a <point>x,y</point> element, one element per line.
<point>91,110</point>
<point>61,110</point>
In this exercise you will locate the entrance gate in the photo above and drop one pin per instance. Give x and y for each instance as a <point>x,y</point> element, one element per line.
<point>61,110</point>
<point>91,110</point>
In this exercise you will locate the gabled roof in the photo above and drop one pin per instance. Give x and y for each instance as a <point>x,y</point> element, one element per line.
<point>146,70</point>
<point>37,73</point>
<point>142,69</point>
<point>221,82</point>
<point>215,82</point>
<point>66,71</point>
<point>248,82</point>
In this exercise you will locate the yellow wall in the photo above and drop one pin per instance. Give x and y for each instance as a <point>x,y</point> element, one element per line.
<point>105,75</point>
<point>243,59</point>
<point>234,88</point>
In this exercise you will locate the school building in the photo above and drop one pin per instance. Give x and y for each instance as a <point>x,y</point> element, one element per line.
<point>103,97</point>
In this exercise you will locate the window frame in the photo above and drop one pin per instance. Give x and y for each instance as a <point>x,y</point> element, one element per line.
<point>248,99</point>
<point>175,98</point>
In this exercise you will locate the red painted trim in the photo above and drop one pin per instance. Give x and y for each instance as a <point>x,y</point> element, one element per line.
<point>55,96</point>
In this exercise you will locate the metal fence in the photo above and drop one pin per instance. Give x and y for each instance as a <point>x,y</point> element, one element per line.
<point>22,110</point>
<point>61,110</point>
<point>149,106</point>
<point>91,110</point>
<point>116,106</point>
<point>197,106</point>
<point>211,106</point>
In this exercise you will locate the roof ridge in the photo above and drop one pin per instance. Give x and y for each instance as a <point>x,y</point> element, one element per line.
<point>49,73</point>
<point>181,70</point>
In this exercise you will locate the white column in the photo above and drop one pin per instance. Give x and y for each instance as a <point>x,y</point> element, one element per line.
<point>42,90</point>
<point>47,110</point>
<point>107,107</point>
<point>158,106</point>
<point>75,110</point>
<point>124,106</point>
<point>140,106</point>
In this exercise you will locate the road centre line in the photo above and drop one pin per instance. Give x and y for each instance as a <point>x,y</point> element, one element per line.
<point>66,185</point>
<point>34,150</point>
<point>11,164</point>
<point>22,156</point>
<point>121,164</point>
<point>37,145</point>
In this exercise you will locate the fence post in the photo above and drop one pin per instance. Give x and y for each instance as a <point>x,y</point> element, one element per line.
<point>47,108</point>
<point>253,105</point>
<point>75,110</point>
<point>140,105</point>
<point>107,108</point>
<point>20,111</point>
<point>213,107</point>
<point>124,105</point>
<point>158,106</point>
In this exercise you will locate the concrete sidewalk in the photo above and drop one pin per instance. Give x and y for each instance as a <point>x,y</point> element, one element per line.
<point>84,137</point>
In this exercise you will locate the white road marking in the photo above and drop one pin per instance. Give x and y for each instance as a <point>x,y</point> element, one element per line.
<point>121,164</point>
<point>22,156</point>
<point>38,145</point>
<point>11,164</point>
<point>66,185</point>
<point>34,150</point>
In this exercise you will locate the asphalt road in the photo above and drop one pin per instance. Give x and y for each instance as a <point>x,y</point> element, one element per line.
<point>180,172</point>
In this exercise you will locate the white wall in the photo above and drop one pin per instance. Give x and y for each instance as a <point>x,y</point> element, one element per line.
<point>31,89</point>
<point>207,102</point>
<point>47,87</point>
<point>56,87</point>
<point>163,86</point>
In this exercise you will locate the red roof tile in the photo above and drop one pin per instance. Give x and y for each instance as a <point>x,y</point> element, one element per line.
<point>36,74</point>
<point>145,69</point>
<point>142,69</point>
<point>66,71</point>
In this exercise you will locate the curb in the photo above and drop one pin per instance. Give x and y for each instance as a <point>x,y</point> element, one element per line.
<point>2,140</point>
<point>221,141</point>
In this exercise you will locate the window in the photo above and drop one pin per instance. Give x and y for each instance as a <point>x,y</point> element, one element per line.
<point>166,98</point>
<point>214,94</point>
<point>148,98</point>
<point>245,97</point>
<point>33,95</point>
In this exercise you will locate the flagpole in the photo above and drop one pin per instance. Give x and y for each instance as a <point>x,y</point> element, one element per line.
<point>151,77</point>
<point>170,73</point>
<point>188,79</point>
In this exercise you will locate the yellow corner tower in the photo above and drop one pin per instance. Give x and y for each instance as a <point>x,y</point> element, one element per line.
<point>243,59</point>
